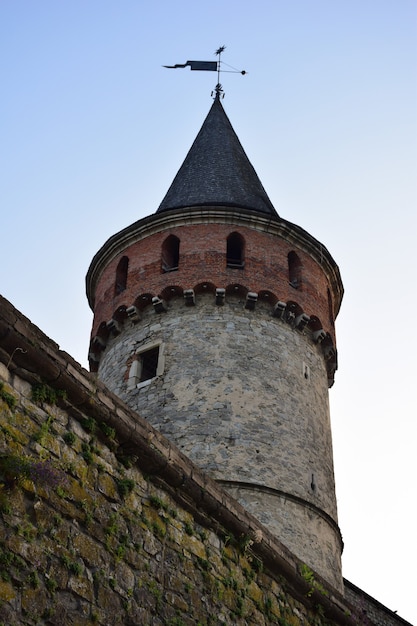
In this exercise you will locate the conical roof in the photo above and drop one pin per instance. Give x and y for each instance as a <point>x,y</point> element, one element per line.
<point>217,172</point>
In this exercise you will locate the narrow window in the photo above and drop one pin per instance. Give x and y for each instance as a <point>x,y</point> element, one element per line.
<point>294,270</point>
<point>121,275</point>
<point>170,254</point>
<point>149,364</point>
<point>235,251</point>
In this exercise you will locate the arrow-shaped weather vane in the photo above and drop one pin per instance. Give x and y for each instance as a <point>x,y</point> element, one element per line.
<point>209,66</point>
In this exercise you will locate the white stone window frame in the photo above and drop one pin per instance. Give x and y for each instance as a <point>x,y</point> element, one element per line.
<point>135,369</point>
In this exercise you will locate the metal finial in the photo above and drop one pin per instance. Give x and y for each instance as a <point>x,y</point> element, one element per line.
<point>219,89</point>
<point>211,66</point>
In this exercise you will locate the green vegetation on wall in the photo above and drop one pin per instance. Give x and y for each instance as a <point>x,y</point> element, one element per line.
<point>86,538</point>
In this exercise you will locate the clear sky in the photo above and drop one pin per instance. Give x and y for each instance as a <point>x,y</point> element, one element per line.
<point>93,130</point>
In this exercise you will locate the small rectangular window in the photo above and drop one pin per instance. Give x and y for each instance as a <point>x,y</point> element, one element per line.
<point>149,362</point>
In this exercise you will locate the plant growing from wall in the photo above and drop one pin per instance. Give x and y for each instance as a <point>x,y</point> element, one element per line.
<point>159,529</point>
<point>51,584</point>
<point>69,438</point>
<point>268,607</point>
<point>124,486</point>
<point>156,592</point>
<point>33,579</point>
<point>107,430</point>
<point>244,543</point>
<point>87,453</point>
<point>112,527</point>
<point>8,398</point>
<point>16,469</point>
<point>44,430</point>
<point>239,610</point>
<point>89,424</point>
<point>127,460</point>
<point>10,563</point>
<point>89,511</point>
<point>157,503</point>
<point>42,392</point>
<point>72,566</point>
<point>310,579</point>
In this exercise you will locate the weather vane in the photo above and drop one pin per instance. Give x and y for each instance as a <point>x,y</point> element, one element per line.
<point>210,66</point>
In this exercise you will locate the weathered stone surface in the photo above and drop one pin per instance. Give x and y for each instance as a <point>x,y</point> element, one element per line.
<point>34,602</point>
<point>7,592</point>
<point>266,437</point>
<point>107,486</point>
<point>71,555</point>
<point>81,587</point>
<point>89,551</point>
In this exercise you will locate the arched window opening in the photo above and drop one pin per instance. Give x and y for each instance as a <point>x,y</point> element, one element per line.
<point>235,251</point>
<point>143,300</point>
<point>121,275</point>
<point>294,270</point>
<point>171,291</point>
<point>203,288</point>
<point>314,323</point>
<point>170,254</point>
<point>237,290</point>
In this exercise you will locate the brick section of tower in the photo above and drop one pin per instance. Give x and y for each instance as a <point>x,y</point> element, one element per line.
<point>203,260</point>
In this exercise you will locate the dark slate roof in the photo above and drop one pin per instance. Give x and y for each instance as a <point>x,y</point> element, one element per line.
<point>216,171</point>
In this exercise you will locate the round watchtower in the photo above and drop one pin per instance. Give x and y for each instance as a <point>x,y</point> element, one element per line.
<point>214,319</point>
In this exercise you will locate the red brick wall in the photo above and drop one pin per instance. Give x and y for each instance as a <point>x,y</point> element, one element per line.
<point>203,259</point>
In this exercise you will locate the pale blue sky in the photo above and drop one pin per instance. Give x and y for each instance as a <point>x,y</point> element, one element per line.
<point>94,129</point>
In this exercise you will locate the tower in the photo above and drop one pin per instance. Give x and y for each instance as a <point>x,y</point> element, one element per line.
<point>214,319</point>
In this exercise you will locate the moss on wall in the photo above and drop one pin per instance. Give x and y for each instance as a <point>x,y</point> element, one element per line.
<point>104,521</point>
<point>86,539</point>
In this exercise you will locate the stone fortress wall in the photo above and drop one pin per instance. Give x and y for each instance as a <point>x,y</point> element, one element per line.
<point>113,525</point>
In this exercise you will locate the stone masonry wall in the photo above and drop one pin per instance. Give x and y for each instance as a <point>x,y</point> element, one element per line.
<point>103,521</point>
<point>107,546</point>
<point>235,399</point>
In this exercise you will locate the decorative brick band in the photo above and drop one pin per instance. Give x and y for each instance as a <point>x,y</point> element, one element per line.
<point>160,222</point>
